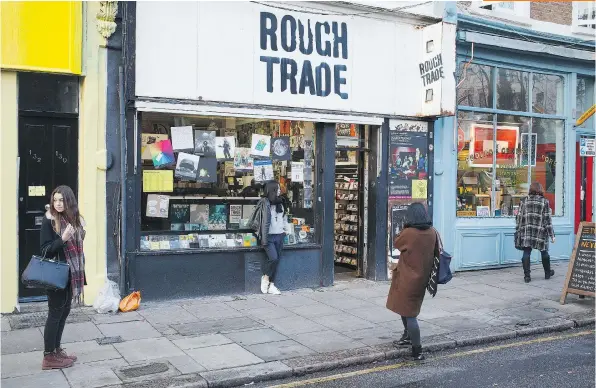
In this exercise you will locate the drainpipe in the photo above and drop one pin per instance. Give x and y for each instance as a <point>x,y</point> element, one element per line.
<point>123,169</point>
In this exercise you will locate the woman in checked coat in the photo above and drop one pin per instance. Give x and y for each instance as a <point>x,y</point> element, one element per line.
<point>533,228</point>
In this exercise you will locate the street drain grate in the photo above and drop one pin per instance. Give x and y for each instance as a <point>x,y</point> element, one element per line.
<point>109,340</point>
<point>144,370</point>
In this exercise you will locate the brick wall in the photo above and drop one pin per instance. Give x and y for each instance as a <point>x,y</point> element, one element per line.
<point>552,11</point>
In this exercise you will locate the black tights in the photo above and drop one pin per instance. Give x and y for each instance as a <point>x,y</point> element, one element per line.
<point>412,328</point>
<point>59,303</point>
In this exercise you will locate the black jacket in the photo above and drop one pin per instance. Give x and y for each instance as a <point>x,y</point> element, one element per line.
<point>51,243</point>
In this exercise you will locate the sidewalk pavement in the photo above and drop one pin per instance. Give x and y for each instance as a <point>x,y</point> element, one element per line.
<point>233,340</point>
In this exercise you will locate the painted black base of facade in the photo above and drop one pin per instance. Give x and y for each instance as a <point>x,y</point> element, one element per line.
<point>162,276</point>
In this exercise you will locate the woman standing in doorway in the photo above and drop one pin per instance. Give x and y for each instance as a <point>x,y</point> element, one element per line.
<point>533,228</point>
<point>273,226</point>
<point>62,234</point>
<point>417,244</point>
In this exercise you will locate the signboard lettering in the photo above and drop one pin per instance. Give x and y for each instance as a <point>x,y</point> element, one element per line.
<point>311,39</point>
<point>431,70</point>
<point>580,279</point>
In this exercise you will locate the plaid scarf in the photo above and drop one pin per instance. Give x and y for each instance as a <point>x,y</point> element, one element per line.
<point>73,251</point>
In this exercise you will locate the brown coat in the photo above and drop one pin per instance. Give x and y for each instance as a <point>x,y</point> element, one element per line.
<point>410,276</point>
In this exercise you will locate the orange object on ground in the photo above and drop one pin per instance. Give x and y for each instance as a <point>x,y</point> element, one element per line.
<point>131,302</point>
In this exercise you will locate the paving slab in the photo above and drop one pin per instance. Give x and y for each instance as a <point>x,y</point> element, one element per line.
<point>269,313</point>
<point>117,318</point>
<point>85,376</point>
<point>314,310</point>
<point>79,332</point>
<point>375,314</point>
<point>217,326</point>
<point>342,301</point>
<point>19,341</point>
<point>201,341</point>
<point>206,312</point>
<point>375,336</point>
<point>91,351</point>
<point>480,336</point>
<point>184,364</point>
<point>247,375</point>
<point>46,379</point>
<point>167,315</point>
<point>146,371</point>
<point>327,341</point>
<point>458,323</point>
<point>21,364</point>
<point>253,337</point>
<point>288,300</point>
<point>280,350</point>
<point>4,324</point>
<point>223,357</point>
<point>250,304</point>
<point>340,322</point>
<point>295,325</point>
<point>129,330</point>
<point>147,349</point>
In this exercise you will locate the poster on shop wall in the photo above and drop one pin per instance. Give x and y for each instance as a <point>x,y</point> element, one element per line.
<point>408,158</point>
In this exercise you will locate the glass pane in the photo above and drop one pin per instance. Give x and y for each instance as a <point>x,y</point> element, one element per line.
<point>548,94</point>
<point>549,166</point>
<point>512,90</point>
<point>48,93</point>
<point>476,86</point>
<point>475,173</point>
<point>585,99</point>
<point>202,177</point>
<point>511,183</point>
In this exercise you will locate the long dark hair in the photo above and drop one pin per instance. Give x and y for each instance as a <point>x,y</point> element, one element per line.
<point>417,217</point>
<point>71,208</point>
<point>270,192</point>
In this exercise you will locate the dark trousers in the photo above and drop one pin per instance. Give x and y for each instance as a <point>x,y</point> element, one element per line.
<point>526,261</point>
<point>275,243</point>
<point>412,328</point>
<point>59,303</point>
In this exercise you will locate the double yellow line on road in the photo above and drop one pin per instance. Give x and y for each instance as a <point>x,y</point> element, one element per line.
<point>340,376</point>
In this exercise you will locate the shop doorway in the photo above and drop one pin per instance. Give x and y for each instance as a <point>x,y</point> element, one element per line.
<point>351,199</point>
<point>48,156</point>
<point>584,181</point>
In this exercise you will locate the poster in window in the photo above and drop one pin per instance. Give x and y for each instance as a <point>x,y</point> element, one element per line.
<point>263,170</point>
<point>182,139</point>
<point>148,139</point>
<point>179,213</point>
<point>528,152</point>
<point>280,148</point>
<point>217,217</point>
<point>243,161</point>
<point>207,172</point>
<point>235,214</point>
<point>199,216</point>
<point>482,145</point>
<point>225,147</point>
<point>297,172</point>
<point>408,160</point>
<point>205,143</point>
<point>260,145</point>
<point>162,153</point>
<point>187,166</point>
<point>158,206</point>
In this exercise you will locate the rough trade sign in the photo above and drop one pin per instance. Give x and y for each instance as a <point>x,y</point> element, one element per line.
<point>431,70</point>
<point>304,56</point>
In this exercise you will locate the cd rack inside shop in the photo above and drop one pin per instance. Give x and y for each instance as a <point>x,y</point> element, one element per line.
<point>346,214</point>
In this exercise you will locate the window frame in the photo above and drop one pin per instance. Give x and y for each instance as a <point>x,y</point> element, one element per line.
<point>589,25</point>
<point>461,60</point>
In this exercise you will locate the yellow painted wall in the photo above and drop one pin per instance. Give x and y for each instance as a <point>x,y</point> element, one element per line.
<point>42,36</point>
<point>91,177</point>
<point>9,266</point>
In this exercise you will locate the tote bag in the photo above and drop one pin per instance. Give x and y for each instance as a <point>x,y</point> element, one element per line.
<point>49,274</point>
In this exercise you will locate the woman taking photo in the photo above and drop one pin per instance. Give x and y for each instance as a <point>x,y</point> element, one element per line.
<point>61,238</point>
<point>417,245</point>
<point>533,228</point>
<point>273,229</point>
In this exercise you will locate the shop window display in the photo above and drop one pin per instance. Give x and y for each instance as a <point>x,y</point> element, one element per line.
<point>202,177</point>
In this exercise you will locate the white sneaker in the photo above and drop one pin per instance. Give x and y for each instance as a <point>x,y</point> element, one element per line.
<point>273,290</point>
<point>264,284</point>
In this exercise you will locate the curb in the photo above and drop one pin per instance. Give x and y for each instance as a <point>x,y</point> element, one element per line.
<point>314,364</point>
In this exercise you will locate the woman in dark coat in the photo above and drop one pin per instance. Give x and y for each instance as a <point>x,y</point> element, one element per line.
<point>533,228</point>
<point>417,244</point>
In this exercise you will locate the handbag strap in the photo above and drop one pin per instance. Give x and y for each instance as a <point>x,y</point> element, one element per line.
<point>439,240</point>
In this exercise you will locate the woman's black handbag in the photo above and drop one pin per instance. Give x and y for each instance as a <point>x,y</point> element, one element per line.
<point>45,273</point>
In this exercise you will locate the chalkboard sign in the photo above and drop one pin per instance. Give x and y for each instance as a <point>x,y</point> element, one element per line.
<point>580,274</point>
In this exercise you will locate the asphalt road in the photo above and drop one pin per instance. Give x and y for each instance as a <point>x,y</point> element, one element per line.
<point>550,361</point>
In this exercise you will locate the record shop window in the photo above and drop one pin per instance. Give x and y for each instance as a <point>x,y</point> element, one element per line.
<point>202,177</point>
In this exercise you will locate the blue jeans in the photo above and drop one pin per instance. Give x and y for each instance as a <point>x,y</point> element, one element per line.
<point>275,243</point>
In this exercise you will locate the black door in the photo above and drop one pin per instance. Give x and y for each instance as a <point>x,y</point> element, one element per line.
<point>48,158</point>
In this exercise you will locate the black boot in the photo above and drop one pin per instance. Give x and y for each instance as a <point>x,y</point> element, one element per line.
<point>417,353</point>
<point>404,340</point>
<point>526,265</point>
<point>546,265</point>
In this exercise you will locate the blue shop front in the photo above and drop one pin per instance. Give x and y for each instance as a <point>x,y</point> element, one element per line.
<point>519,93</point>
